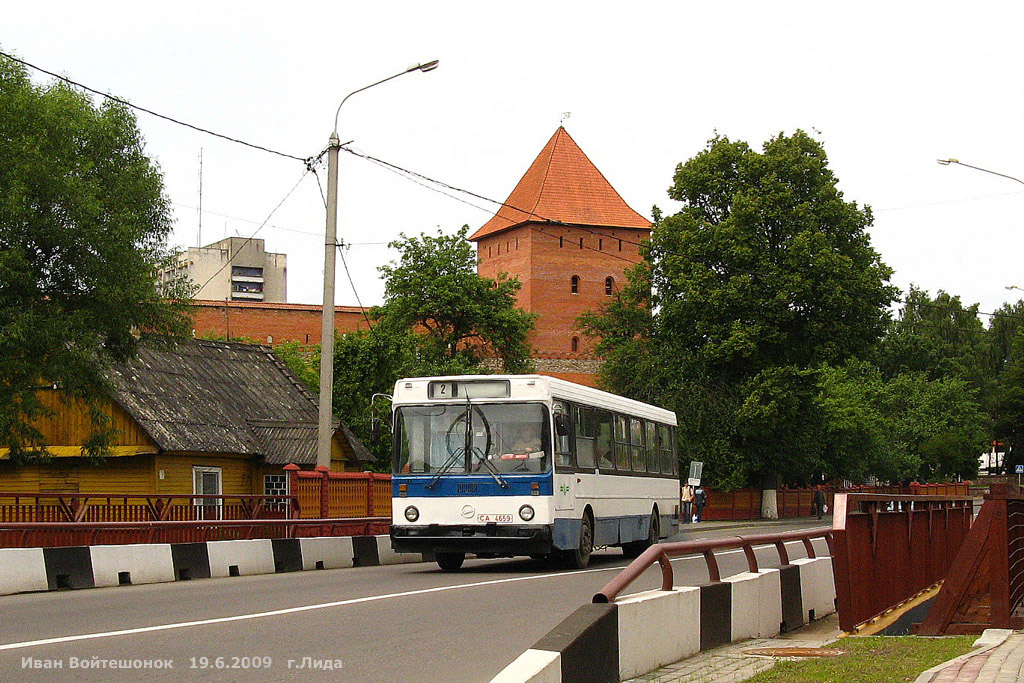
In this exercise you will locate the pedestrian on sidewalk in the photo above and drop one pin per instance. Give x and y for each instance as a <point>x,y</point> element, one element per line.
<point>700,499</point>
<point>686,498</point>
<point>818,506</point>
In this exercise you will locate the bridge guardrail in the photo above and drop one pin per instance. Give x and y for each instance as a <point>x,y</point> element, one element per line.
<point>662,552</point>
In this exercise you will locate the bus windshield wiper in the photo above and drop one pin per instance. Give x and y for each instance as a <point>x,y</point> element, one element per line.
<point>454,458</point>
<point>491,469</point>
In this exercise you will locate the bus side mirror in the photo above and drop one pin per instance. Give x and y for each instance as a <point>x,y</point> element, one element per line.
<point>375,432</point>
<point>562,424</point>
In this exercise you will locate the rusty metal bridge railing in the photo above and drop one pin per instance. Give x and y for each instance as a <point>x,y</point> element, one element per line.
<point>663,552</point>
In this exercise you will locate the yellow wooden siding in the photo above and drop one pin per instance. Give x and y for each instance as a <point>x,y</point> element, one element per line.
<point>69,425</point>
<point>237,472</point>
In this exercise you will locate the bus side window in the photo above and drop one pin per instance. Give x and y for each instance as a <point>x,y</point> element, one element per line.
<point>603,441</point>
<point>653,456</point>
<point>563,454</point>
<point>669,461</point>
<point>585,434</point>
<point>622,442</point>
<point>636,438</point>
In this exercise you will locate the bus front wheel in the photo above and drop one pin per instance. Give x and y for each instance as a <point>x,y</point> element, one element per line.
<point>579,557</point>
<point>450,562</point>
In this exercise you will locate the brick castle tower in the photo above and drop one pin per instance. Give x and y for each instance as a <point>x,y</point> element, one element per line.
<point>569,237</point>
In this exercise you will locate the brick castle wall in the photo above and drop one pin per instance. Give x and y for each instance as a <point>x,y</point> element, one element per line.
<point>271,323</point>
<point>545,258</point>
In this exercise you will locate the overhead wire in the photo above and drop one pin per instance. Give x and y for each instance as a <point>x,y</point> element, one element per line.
<point>121,100</point>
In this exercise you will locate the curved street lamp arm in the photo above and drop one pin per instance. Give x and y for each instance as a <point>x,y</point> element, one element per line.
<point>947,162</point>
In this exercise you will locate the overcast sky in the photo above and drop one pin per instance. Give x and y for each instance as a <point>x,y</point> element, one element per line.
<point>886,87</point>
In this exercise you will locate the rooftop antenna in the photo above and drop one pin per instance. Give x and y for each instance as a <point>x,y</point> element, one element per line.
<point>199,234</point>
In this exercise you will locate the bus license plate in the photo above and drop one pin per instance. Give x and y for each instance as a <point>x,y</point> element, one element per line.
<point>494,518</point>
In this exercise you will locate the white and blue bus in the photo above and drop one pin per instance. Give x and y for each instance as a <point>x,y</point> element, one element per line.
<point>509,465</point>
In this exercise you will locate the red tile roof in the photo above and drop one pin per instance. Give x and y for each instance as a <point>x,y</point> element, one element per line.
<point>563,186</point>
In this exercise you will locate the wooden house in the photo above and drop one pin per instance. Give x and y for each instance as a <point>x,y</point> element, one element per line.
<point>193,417</point>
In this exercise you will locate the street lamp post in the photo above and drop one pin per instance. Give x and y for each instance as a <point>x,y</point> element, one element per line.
<point>324,431</point>
<point>951,160</point>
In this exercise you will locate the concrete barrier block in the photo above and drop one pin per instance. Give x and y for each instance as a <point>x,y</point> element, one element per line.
<point>533,666</point>
<point>114,565</point>
<point>22,570</point>
<point>386,555</point>
<point>657,628</point>
<point>241,558</point>
<point>818,586</point>
<point>335,552</point>
<point>756,604</point>
<point>587,642</point>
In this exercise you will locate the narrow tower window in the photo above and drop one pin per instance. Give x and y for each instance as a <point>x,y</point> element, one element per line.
<point>575,344</point>
<point>609,282</point>
<point>575,284</point>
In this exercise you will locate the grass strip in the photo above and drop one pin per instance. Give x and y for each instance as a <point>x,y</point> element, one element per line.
<point>875,659</point>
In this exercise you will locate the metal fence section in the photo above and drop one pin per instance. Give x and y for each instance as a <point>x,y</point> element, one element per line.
<point>985,584</point>
<point>746,503</point>
<point>888,548</point>
<point>327,494</point>
<point>110,507</point>
<point>662,552</point>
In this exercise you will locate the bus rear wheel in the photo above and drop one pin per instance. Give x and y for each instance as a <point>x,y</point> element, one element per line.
<point>450,562</point>
<point>635,548</point>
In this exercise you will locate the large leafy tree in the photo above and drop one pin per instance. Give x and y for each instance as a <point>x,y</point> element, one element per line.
<point>766,274</point>
<point>434,291</point>
<point>83,221</point>
<point>439,317</point>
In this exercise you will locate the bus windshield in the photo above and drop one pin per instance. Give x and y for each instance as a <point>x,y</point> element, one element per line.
<point>506,438</point>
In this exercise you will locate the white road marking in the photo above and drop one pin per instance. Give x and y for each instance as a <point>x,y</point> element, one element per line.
<point>324,605</point>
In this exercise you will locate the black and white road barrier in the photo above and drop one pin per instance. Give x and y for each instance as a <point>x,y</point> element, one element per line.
<point>39,569</point>
<point>607,643</point>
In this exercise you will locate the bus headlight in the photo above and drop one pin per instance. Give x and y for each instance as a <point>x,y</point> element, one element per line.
<point>526,513</point>
<point>411,513</point>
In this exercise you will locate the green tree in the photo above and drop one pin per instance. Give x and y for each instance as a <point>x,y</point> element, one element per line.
<point>766,274</point>
<point>939,337</point>
<point>83,223</point>
<point>900,428</point>
<point>439,317</point>
<point>434,291</point>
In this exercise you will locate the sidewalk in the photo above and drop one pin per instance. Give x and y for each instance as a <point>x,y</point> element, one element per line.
<point>1000,660</point>
<point>740,661</point>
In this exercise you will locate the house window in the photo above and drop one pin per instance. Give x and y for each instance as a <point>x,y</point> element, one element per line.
<point>207,481</point>
<point>620,245</point>
<point>609,283</point>
<point>581,243</point>
<point>600,244</point>
<point>574,286</point>
<point>560,242</point>
<point>575,344</point>
<point>275,485</point>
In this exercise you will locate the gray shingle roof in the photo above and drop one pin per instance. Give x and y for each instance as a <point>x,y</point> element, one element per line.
<point>221,397</point>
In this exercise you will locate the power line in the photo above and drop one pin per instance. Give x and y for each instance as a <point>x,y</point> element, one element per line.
<point>136,107</point>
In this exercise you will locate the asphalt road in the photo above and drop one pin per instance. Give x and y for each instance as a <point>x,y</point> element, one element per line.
<point>409,623</point>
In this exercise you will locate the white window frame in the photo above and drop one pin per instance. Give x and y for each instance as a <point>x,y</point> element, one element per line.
<point>202,469</point>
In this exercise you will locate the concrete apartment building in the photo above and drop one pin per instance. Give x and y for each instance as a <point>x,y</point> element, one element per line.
<point>234,269</point>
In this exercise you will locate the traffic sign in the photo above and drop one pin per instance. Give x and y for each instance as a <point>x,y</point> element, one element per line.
<point>1020,469</point>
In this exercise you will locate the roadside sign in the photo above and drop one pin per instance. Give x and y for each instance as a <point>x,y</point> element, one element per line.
<point>696,468</point>
<point>1020,469</point>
